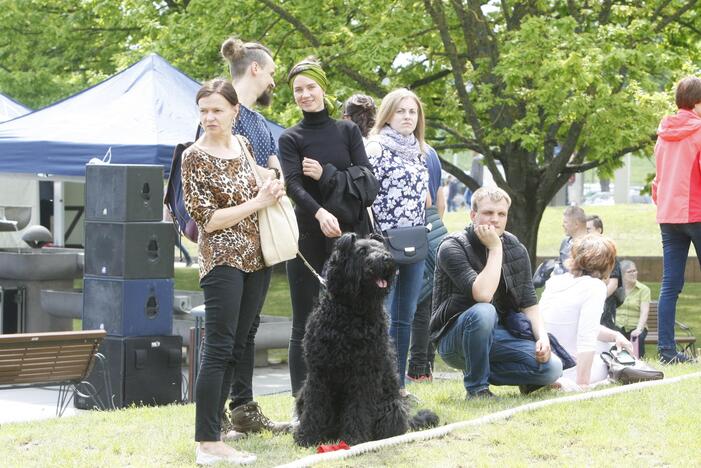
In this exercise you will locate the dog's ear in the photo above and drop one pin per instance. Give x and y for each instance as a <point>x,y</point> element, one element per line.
<point>345,242</point>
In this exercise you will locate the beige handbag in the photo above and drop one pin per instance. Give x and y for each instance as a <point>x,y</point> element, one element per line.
<point>277,224</point>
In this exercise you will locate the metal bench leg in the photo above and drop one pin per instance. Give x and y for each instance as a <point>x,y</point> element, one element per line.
<point>87,390</point>
<point>65,396</point>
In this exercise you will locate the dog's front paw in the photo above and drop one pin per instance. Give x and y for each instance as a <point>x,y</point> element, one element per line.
<point>304,439</point>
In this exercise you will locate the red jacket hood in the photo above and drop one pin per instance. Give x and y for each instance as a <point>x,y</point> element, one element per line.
<point>679,126</point>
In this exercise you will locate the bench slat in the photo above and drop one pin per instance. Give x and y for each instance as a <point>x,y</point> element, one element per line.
<point>47,358</point>
<point>44,354</point>
<point>653,329</point>
<point>47,369</point>
<point>52,336</point>
<point>47,364</point>
<point>48,350</point>
<point>75,368</point>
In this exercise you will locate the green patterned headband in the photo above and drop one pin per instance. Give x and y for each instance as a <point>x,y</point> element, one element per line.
<point>313,70</point>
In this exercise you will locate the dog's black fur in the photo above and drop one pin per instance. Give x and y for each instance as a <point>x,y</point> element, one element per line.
<point>352,388</point>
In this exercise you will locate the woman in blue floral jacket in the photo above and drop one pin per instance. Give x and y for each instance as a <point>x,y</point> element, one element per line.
<point>396,150</point>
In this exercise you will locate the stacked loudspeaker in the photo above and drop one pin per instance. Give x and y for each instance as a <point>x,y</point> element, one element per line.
<point>128,286</point>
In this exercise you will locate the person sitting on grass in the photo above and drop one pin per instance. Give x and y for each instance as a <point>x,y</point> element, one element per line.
<point>572,304</point>
<point>574,222</point>
<point>631,316</point>
<point>613,296</point>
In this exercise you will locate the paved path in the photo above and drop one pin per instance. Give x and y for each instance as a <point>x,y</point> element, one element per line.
<point>31,404</point>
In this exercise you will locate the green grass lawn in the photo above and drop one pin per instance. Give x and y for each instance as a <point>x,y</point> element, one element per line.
<point>647,427</point>
<point>632,227</point>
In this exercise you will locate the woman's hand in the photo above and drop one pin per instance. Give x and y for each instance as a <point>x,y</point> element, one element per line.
<point>635,333</point>
<point>271,191</point>
<point>328,223</point>
<point>623,343</point>
<point>312,168</point>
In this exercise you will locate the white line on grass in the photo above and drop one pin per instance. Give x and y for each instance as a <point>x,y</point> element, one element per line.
<point>444,430</point>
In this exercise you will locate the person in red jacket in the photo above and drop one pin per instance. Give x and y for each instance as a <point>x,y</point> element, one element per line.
<point>676,190</point>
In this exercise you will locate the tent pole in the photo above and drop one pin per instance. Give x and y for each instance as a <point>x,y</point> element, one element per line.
<point>59,215</point>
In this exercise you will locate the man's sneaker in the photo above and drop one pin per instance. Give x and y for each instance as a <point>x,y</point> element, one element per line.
<point>483,394</point>
<point>673,357</point>
<point>249,418</point>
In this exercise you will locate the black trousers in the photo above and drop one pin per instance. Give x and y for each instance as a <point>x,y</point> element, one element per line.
<point>232,299</point>
<point>421,353</point>
<point>304,294</point>
<point>242,388</point>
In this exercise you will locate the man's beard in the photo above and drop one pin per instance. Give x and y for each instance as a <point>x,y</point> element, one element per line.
<point>266,98</point>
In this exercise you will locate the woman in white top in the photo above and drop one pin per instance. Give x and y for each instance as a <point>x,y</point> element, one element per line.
<point>572,304</point>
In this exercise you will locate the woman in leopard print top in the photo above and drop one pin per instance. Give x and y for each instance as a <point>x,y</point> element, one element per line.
<point>222,197</point>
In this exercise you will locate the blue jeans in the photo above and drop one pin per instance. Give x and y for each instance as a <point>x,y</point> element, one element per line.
<point>487,353</point>
<point>676,239</point>
<point>401,305</point>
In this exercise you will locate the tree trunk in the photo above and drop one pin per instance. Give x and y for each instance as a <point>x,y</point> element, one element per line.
<point>524,219</point>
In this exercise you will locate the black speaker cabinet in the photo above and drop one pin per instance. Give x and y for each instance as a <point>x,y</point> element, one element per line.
<point>123,192</point>
<point>129,250</point>
<point>143,370</point>
<point>128,307</point>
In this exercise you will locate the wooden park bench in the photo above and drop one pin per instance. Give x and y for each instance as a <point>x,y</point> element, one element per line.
<point>685,342</point>
<point>55,358</point>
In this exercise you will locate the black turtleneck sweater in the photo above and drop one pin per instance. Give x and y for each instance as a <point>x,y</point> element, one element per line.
<point>329,141</point>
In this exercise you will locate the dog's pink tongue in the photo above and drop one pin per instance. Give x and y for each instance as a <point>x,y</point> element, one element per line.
<point>382,283</point>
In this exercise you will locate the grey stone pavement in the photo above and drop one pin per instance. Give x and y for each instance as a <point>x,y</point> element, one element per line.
<point>31,404</point>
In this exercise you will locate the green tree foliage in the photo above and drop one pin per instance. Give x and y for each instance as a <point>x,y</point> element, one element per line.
<point>51,49</point>
<point>542,88</point>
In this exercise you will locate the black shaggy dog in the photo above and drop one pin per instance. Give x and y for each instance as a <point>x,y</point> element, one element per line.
<point>352,388</point>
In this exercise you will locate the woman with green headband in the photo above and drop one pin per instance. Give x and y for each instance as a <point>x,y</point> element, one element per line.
<point>311,152</point>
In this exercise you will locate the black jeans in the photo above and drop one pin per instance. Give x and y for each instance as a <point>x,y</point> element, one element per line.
<point>242,388</point>
<point>421,353</point>
<point>232,299</point>
<point>304,294</point>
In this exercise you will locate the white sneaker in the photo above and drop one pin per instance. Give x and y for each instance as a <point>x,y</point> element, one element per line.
<point>566,385</point>
<point>236,458</point>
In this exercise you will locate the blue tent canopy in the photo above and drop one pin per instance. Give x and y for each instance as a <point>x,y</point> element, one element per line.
<point>9,108</point>
<point>140,113</point>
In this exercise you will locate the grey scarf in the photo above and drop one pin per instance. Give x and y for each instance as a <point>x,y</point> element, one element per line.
<point>407,147</point>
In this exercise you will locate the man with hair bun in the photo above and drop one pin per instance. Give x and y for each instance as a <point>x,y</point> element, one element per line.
<point>252,68</point>
<point>482,282</point>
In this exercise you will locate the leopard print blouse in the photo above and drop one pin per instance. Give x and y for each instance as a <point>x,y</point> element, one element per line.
<point>211,183</point>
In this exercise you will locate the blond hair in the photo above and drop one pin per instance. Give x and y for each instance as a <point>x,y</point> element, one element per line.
<point>494,194</point>
<point>592,255</point>
<point>576,213</point>
<point>389,106</point>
